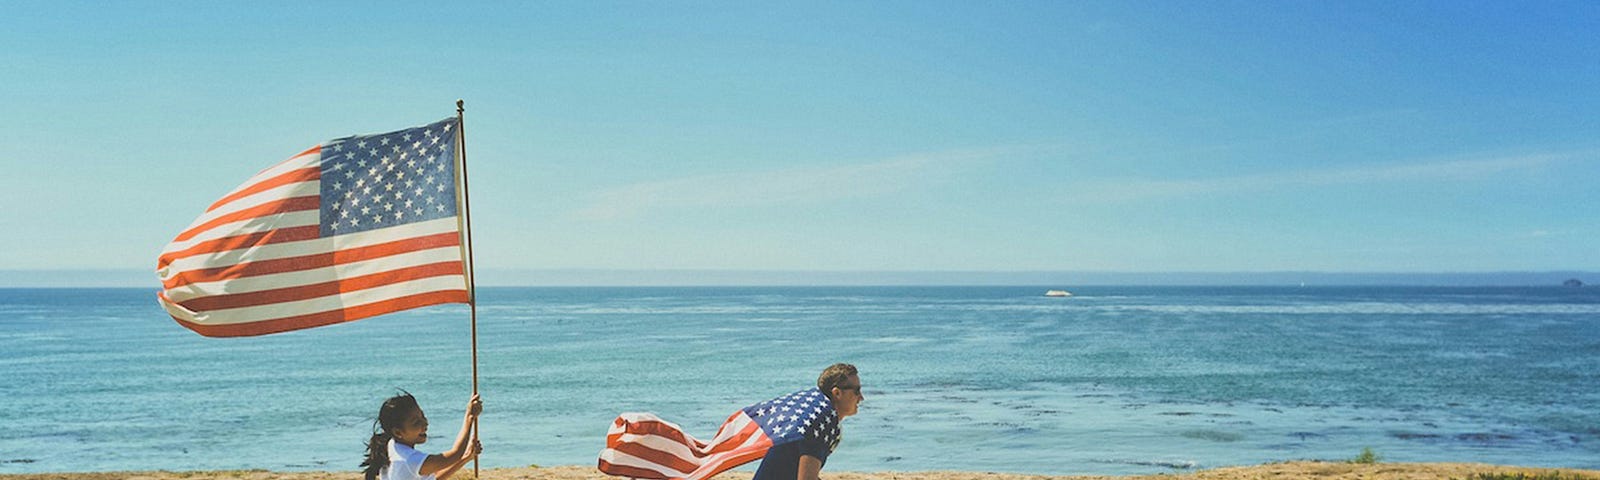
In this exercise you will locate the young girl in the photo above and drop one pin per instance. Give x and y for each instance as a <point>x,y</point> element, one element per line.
<point>392,454</point>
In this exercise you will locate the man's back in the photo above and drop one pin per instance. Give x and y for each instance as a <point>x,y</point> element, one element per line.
<point>783,462</point>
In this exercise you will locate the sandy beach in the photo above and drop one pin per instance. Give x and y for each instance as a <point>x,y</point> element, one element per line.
<point>1273,471</point>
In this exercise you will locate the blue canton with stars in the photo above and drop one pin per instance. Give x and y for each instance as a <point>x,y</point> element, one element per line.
<point>377,181</point>
<point>806,414</point>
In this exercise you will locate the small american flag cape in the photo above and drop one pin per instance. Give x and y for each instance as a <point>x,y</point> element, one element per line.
<point>641,445</point>
<point>356,227</point>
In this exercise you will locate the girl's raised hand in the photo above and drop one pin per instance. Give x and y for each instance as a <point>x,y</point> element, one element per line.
<point>474,406</point>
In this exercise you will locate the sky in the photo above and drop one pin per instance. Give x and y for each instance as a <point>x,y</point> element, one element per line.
<point>1350,136</point>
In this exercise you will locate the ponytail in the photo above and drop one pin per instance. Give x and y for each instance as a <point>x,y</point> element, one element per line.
<point>377,455</point>
<point>391,415</point>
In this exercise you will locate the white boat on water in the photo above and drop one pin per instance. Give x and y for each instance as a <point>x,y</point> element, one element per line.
<point>1057,293</point>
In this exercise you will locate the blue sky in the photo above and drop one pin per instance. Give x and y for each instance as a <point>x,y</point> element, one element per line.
<point>992,136</point>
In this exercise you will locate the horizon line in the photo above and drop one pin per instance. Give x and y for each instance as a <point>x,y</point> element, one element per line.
<point>598,277</point>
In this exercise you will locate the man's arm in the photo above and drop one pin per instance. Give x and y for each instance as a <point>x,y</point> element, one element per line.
<point>810,467</point>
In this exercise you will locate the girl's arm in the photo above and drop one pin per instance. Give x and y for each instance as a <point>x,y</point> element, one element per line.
<point>476,448</point>
<point>464,449</point>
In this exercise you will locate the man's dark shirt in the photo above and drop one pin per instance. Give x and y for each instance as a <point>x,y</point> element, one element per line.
<point>783,462</point>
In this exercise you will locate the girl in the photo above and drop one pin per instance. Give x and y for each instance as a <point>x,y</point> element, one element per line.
<point>392,454</point>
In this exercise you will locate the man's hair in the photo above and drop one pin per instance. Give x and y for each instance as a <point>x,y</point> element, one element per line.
<point>833,376</point>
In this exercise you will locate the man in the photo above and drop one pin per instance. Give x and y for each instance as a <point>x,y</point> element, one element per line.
<point>803,460</point>
<point>792,434</point>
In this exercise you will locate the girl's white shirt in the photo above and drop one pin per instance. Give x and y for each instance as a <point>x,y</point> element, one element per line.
<point>404,463</point>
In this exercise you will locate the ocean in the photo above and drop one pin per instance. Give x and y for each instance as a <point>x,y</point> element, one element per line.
<point>1114,380</point>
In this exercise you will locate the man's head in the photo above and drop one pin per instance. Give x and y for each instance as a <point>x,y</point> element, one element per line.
<point>842,385</point>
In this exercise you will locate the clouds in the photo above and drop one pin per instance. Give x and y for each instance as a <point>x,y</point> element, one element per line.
<point>1128,190</point>
<point>803,185</point>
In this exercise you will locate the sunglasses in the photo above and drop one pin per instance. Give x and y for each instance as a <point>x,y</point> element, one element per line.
<point>855,388</point>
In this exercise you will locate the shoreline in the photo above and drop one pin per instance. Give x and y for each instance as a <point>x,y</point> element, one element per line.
<point>1298,470</point>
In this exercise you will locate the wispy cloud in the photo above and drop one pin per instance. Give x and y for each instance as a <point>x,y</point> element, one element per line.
<point>788,186</point>
<point>1121,190</point>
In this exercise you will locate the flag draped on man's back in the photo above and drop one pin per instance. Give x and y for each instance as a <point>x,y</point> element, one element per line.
<point>357,227</point>
<point>641,445</point>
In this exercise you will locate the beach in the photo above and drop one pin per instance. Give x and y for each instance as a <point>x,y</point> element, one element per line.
<point>1273,471</point>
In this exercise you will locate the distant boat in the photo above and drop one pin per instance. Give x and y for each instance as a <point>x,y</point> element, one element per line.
<point>1058,293</point>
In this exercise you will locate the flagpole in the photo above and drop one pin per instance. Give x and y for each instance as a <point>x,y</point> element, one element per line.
<point>472,286</point>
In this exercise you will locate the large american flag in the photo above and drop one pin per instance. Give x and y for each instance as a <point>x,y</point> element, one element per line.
<point>641,445</point>
<point>356,227</point>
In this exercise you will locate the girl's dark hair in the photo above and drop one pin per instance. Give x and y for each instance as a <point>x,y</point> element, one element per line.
<point>391,416</point>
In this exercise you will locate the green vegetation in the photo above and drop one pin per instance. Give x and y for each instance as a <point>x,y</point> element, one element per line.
<point>1524,476</point>
<point>1367,456</point>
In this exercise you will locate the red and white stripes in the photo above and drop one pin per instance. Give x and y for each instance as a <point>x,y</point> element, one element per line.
<point>256,261</point>
<point>641,445</point>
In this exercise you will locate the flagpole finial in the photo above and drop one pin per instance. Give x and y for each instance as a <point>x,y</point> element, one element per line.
<point>459,107</point>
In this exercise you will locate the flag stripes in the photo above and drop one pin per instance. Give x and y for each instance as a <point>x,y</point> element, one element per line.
<point>640,445</point>
<point>336,233</point>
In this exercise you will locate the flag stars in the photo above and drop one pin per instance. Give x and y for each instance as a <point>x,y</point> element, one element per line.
<point>387,180</point>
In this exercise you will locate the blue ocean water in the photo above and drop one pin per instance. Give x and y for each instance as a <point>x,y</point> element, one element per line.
<point>1115,380</point>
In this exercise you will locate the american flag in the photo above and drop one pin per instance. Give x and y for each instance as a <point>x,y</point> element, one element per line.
<point>641,445</point>
<point>356,227</point>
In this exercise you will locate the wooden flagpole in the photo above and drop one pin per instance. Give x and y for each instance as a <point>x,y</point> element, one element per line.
<point>472,286</point>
